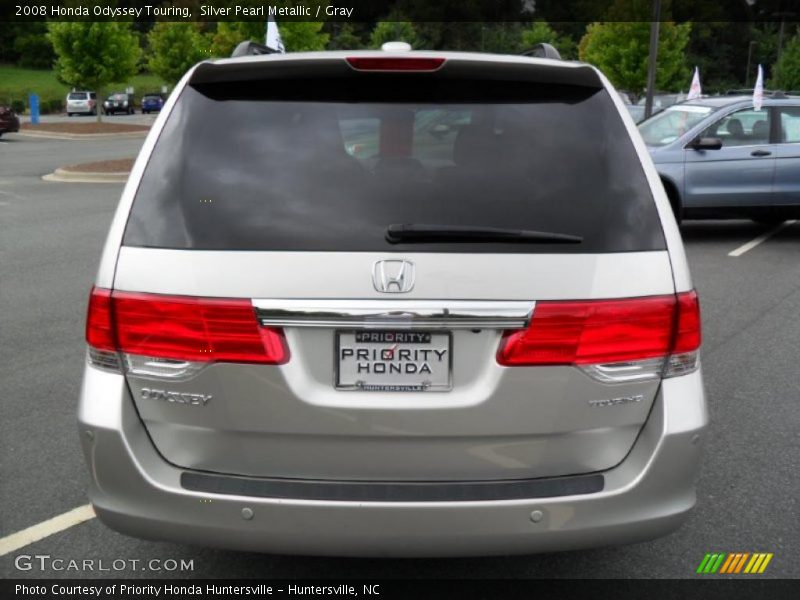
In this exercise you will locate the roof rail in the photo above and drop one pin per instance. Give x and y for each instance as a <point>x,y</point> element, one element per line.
<point>250,48</point>
<point>542,50</point>
<point>748,92</point>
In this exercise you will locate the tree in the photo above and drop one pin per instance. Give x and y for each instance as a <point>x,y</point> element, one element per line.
<point>297,36</point>
<point>93,55</point>
<point>345,37</point>
<point>786,73</point>
<point>541,32</point>
<point>303,36</point>
<point>621,48</point>
<point>35,50</point>
<point>174,48</point>
<point>393,31</point>
<point>230,34</point>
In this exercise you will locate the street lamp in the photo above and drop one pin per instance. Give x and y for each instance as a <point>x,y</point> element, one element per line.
<point>651,65</point>
<point>749,57</point>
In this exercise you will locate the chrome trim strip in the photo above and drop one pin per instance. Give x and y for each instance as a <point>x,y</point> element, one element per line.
<point>419,314</point>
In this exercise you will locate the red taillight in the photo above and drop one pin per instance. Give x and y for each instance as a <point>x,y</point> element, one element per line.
<point>183,328</point>
<point>604,331</point>
<point>687,334</point>
<point>99,331</point>
<point>366,63</point>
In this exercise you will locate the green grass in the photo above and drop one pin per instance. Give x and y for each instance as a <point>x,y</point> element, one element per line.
<point>17,83</point>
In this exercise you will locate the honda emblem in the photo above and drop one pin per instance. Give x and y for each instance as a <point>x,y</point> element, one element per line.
<point>393,276</point>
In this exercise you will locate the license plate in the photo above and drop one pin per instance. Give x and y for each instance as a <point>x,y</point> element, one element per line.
<point>393,361</point>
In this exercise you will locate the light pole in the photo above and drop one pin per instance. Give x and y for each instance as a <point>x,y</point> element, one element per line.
<point>651,65</point>
<point>749,57</point>
<point>783,16</point>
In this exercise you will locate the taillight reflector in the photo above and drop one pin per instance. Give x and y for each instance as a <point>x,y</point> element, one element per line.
<point>604,331</point>
<point>99,332</point>
<point>366,63</point>
<point>183,328</point>
<point>688,335</point>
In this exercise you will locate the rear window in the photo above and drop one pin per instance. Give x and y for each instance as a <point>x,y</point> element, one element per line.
<point>78,96</point>
<point>324,166</point>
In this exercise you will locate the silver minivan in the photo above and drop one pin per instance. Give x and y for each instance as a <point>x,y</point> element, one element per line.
<point>81,103</point>
<point>393,304</point>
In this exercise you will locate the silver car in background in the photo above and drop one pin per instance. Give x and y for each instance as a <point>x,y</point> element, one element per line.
<point>719,157</point>
<point>81,103</point>
<point>393,304</point>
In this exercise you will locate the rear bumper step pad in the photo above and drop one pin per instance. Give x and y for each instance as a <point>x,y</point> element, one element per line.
<point>361,491</point>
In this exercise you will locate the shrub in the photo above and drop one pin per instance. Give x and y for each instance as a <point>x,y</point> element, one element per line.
<point>18,106</point>
<point>51,106</point>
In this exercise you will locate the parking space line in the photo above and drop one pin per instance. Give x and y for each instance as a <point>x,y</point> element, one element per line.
<point>37,532</point>
<point>763,237</point>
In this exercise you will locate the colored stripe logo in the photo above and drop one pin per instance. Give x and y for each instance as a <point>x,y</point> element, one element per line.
<point>734,563</point>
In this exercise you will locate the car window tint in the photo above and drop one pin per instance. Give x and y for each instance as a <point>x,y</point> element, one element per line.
<point>790,124</point>
<point>746,127</point>
<point>250,167</point>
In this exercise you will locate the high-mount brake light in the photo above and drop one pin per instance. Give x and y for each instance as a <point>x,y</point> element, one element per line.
<point>613,340</point>
<point>181,328</point>
<point>391,63</point>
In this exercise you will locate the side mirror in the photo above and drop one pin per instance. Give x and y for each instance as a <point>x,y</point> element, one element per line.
<point>706,143</point>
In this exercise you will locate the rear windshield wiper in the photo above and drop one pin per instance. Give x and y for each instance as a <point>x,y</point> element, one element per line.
<point>418,233</point>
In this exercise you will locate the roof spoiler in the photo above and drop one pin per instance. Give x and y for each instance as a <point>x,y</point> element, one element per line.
<point>249,48</point>
<point>542,50</point>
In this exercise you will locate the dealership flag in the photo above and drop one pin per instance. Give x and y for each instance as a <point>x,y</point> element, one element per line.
<point>274,40</point>
<point>695,90</point>
<point>758,91</point>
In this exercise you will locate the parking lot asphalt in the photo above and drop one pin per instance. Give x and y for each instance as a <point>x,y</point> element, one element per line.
<point>50,240</point>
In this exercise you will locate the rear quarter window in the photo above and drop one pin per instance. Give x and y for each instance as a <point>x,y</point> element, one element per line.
<point>315,165</point>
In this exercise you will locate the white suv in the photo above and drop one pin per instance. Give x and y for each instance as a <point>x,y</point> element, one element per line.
<point>81,103</point>
<point>393,303</point>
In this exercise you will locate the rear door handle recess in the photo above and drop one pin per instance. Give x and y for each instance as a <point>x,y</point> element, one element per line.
<point>760,153</point>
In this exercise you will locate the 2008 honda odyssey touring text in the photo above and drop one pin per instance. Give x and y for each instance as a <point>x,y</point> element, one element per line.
<point>393,304</point>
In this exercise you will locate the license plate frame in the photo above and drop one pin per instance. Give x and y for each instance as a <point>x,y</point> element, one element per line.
<point>343,380</point>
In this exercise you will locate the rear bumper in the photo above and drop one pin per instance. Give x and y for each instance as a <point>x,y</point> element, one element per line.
<point>136,492</point>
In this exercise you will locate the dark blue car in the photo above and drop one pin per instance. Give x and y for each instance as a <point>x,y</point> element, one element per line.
<point>152,103</point>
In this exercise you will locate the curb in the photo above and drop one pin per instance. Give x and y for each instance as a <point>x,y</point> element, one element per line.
<point>66,176</point>
<point>82,136</point>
